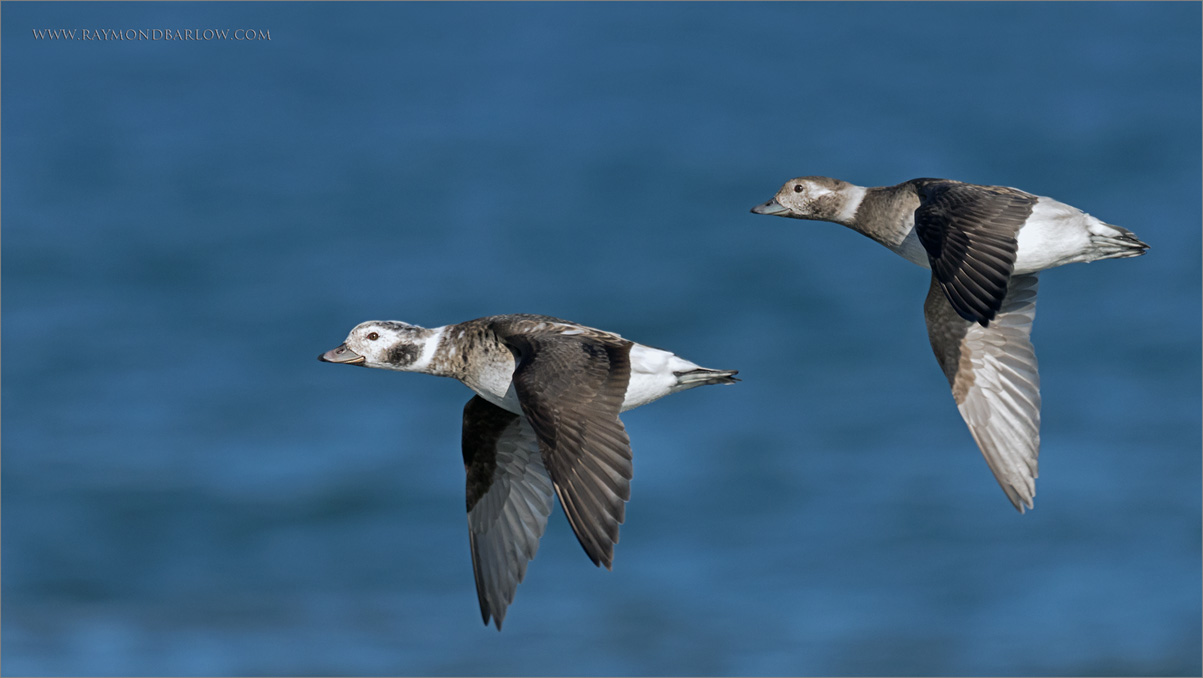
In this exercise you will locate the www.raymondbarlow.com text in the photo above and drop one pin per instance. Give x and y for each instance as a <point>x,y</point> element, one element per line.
<point>151,34</point>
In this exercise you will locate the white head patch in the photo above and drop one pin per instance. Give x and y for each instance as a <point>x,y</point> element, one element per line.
<point>394,345</point>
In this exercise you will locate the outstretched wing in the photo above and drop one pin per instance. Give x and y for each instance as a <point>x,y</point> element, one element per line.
<point>970,233</point>
<point>571,389</point>
<point>509,500</point>
<point>992,371</point>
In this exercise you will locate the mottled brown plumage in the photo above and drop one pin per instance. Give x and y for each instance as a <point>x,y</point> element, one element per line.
<point>985,246</point>
<point>544,423</point>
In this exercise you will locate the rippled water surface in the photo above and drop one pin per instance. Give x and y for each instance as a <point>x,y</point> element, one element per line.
<point>188,223</point>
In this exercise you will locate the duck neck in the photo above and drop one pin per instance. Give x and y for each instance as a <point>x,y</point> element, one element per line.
<point>875,214</point>
<point>431,361</point>
<point>851,198</point>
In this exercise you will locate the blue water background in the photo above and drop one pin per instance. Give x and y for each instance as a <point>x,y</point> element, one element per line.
<point>187,224</point>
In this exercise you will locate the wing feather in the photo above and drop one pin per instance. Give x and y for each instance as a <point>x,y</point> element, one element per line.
<point>970,235</point>
<point>509,498</point>
<point>571,389</point>
<point>995,380</point>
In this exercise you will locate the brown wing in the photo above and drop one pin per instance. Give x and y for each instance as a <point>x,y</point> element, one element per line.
<point>969,233</point>
<point>994,379</point>
<point>509,500</point>
<point>571,388</point>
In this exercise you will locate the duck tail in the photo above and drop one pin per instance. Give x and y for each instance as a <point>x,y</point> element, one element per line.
<point>1118,242</point>
<point>703,376</point>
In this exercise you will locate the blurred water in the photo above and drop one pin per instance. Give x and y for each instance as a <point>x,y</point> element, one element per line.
<point>186,225</point>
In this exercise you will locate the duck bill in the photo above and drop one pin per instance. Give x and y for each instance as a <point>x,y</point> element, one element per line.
<point>342,354</point>
<point>771,207</point>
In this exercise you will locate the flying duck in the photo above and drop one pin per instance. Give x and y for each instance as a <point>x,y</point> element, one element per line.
<point>544,421</point>
<point>985,246</point>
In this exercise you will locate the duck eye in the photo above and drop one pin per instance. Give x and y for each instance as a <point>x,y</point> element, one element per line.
<point>372,336</point>
<point>797,188</point>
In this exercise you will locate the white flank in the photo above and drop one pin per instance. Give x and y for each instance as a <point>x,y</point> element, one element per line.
<point>652,375</point>
<point>1054,234</point>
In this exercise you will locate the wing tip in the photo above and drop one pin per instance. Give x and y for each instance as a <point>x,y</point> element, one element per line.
<point>487,612</point>
<point>603,558</point>
<point>1022,501</point>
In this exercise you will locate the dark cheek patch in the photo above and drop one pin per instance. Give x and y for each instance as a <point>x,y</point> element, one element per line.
<point>402,354</point>
<point>825,205</point>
